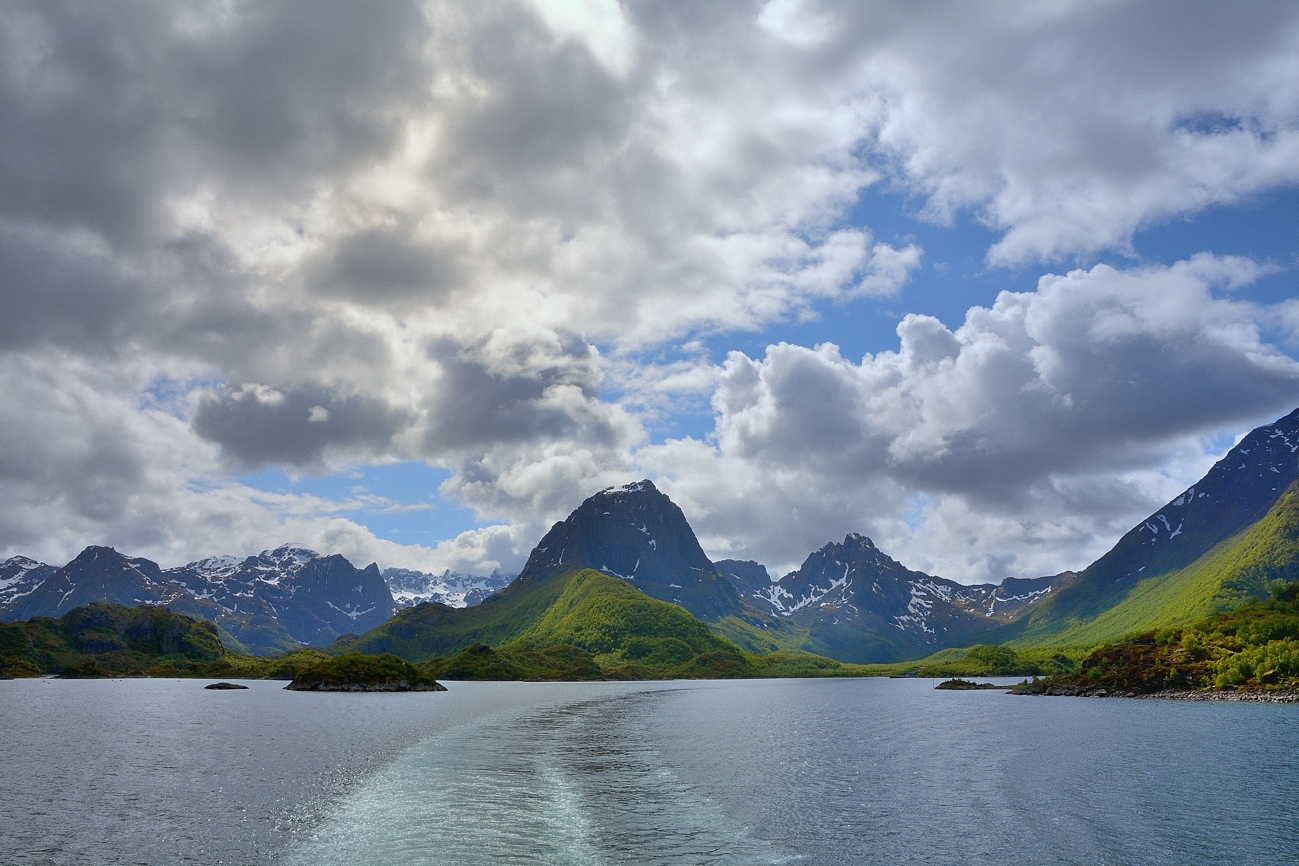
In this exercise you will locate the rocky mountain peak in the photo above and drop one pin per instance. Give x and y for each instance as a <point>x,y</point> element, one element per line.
<point>639,534</point>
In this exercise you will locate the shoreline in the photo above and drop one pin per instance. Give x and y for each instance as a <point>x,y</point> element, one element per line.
<point>1276,697</point>
<point>1247,697</point>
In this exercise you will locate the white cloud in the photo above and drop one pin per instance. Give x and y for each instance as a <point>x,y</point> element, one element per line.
<point>398,233</point>
<point>1022,442</point>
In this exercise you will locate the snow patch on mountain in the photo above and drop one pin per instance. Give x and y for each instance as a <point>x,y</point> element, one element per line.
<point>451,588</point>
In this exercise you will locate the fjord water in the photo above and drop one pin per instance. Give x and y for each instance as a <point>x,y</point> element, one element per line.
<point>776,771</point>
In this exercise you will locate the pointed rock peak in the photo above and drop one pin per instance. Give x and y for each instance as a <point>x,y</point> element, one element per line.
<point>94,552</point>
<point>855,540</point>
<point>637,533</point>
<point>25,563</point>
<point>642,486</point>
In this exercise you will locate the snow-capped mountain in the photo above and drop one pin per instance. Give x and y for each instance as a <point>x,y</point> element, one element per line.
<point>278,599</point>
<point>315,598</point>
<point>451,588</point>
<point>1236,492</point>
<point>862,605</point>
<point>96,574</point>
<point>20,576</point>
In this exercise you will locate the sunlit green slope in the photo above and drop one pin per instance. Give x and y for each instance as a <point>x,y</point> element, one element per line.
<point>1238,569</point>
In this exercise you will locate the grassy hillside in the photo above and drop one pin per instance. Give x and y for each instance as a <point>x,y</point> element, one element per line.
<point>1254,648</point>
<point>819,638</point>
<point>580,625</point>
<point>986,660</point>
<point>1243,567</point>
<point>419,633</point>
<point>617,624</point>
<point>602,615</point>
<point>111,640</point>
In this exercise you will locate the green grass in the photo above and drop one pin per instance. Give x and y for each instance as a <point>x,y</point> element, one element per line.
<point>600,627</point>
<point>426,631</point>
<point>618,625</point>
<point>480,662</point>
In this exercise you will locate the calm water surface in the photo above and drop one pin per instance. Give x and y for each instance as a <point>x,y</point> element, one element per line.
<point>776,771</point>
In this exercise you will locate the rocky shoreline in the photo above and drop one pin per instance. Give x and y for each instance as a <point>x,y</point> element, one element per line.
<point>1277,697</point>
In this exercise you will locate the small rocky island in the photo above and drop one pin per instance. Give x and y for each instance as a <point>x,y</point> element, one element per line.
<point>959,685</point>
<point>356,672</point>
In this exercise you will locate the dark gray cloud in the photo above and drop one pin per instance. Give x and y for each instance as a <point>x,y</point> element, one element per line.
<point>255,425</point>
<point>387,264</point>
<point>109,109</point>
<point>523,393</point>
<point>71,294</point>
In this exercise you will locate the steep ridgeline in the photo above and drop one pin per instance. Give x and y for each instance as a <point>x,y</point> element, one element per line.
<point>274,601</point>
<point>315,598</point>
<point>637,533</point>
<point>98,574</point>
<point>859,605</point>
<point>750,579</point>
<point>20,576</point>
<point>1199,554</point>
<point>451,588</point>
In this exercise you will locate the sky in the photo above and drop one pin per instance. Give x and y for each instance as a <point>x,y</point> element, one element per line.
<point>986,282</point>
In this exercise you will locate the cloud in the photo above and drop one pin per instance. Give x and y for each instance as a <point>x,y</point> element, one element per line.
<point>1047,416</point>
<point>407,229</point>
<point>1075,124</point>
<point>256,425</point>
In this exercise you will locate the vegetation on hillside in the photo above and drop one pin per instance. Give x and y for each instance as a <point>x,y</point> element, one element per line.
<point>1252,648</point>
<point>359,672</point>
<point>577,626</point>
<point>619,625</point>
<point>103,639</point>
<point>597,627</point>
<point>1246,566</point>
<point>987,661</point>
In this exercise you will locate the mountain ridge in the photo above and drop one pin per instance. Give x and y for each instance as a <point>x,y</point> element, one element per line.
<point>1238,492</point>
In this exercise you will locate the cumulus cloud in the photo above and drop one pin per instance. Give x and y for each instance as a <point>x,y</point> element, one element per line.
<point>400,233</point>
<point>1046,421</point>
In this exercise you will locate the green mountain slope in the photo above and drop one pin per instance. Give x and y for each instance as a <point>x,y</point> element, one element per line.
<point>602,615</point>
<point>581,625</point>
<point>618,624</point>
<point>1239,569</point>
<point>1210,547</point>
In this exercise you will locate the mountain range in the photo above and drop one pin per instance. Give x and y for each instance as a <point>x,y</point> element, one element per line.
<point>1227,539</point>
<point>278,600</point>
